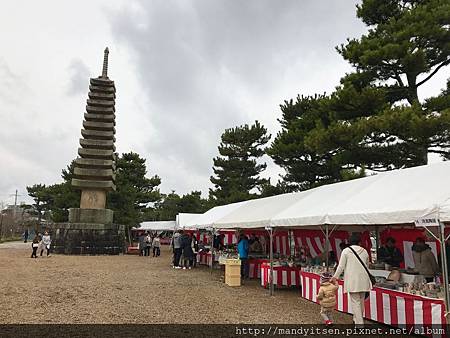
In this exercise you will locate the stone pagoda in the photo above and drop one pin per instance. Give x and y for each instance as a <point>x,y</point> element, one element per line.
<point>90,229</point>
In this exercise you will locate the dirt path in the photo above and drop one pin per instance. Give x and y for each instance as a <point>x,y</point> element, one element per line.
<point>132,289</point>
<point>15,245</point>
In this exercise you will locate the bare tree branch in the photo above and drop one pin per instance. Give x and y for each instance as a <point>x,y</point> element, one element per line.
<point>445,63</point>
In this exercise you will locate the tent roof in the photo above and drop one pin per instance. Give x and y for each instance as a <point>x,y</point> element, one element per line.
<point>184,219</point>
<point>257,213</point>
<point>394,197</point>
<point>157,226</point>
<point>212,215</point>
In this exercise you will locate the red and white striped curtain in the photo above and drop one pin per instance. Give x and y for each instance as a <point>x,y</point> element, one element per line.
<point>280,239</point>
<point>314,241</point>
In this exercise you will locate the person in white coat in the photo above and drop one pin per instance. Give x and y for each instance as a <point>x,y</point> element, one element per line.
<point>356,279</point>
<point>45,243</point>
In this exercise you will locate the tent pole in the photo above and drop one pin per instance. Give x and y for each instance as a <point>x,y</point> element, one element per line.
<point>327,249</point>
<point>377,238</point>
<point>433,235</point>
<point>213,233</point>
<point>444,267</point>
<point>332,230</point>
<point>271,261</point>
<point>291,243</point>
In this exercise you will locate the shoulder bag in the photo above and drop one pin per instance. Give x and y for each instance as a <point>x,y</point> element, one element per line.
<point>371,277</point>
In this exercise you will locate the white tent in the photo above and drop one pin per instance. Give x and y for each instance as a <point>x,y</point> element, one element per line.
<point>157,226</point>
<point>257,213</point>
<point>183,220</point>
<point>207,219</point>
<point>394,197</point>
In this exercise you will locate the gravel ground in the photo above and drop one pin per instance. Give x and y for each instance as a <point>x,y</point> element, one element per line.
<point>133,289</point>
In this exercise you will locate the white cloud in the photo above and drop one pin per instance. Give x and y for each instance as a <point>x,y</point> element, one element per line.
<point>184,71</point>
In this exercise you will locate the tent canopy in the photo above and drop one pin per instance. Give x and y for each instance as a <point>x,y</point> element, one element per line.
<point>394,197</point>
<point>184,219</point>
<point>212,215</point>
<point>157,226</point>
<point>257,213</point>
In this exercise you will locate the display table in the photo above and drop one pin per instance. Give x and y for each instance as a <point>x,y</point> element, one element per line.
<point>133,250</point>
<point>282,275</point>
<point>405,278</point>
<point>204,258</point>
<point>254,267</point>
<point>385,306</point>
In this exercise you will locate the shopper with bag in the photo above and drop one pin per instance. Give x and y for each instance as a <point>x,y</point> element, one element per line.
<point>46,242</point>
<point>357,279</point>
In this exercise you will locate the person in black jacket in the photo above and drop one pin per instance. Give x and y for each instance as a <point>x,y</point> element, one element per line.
<point>194,246</point>
<point>389,254</point>
<point>35,245</point>
<point>218,242</point>
<point>188,253</point>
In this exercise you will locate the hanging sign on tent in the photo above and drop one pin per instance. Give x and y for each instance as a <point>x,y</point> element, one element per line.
<point>427,221</point>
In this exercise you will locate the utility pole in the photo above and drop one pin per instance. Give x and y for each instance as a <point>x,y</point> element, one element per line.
<point>16,194</point>
<point>15,205</point>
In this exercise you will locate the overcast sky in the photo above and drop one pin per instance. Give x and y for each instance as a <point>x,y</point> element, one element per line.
<point>184,71</point>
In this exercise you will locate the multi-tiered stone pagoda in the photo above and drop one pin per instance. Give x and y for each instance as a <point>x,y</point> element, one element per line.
<point>94,169</point>
<point>90,229</point>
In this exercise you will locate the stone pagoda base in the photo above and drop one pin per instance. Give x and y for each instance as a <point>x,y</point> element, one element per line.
<point>89,232</point>
<point>88,239</point>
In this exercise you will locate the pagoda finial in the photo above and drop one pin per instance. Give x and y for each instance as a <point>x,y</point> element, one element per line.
<point>105,63</point>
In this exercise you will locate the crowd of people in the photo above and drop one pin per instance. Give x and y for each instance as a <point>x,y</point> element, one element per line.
<point>149,242</point>
<point>185,249</point>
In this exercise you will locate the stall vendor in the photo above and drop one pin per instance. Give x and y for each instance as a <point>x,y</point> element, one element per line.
<point>424,260</point>
<point>256,246</point>
<point>251,239</point>
<point>389,254</point>
<point>322,258</point>
<point>304,255</point>
<point>218,242</point>
<point>201,246</point>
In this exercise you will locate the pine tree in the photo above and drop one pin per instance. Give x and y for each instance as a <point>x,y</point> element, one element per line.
<point>374,119</point>
<point>237,171</point>
<point>42,199</point>
<point>134,191</point>
<point>407,44</point>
